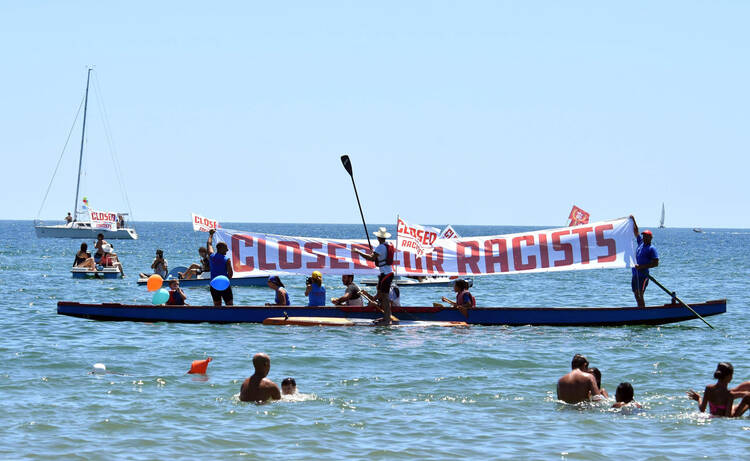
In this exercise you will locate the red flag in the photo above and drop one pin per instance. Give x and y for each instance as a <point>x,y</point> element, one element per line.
<point>578,216</point>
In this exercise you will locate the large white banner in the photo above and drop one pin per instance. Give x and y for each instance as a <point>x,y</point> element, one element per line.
<point>103,219</point>
<point>204,224</point>
<point>415,238</point>
<point>607,244</point>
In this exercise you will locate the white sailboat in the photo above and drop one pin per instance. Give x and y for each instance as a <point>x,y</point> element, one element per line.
<point>661,221</point>
<point>83,228</point>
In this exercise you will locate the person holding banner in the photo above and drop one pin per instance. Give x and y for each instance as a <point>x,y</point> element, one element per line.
<point>646,257</point>
<point>220,265</point>
<point>351,296</point>
<point>382,256</point>
<point>315,290</point>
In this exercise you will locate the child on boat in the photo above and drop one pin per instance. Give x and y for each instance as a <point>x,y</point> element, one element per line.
<point>176,295</point>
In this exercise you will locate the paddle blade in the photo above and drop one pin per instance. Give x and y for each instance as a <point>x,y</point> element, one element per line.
<point>347,164</point>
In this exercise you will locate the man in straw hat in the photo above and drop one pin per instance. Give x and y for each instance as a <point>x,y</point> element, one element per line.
<point>382,256</point>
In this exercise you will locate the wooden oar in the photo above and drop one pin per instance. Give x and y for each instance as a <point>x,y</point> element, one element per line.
<point>674,296</point>
<point>348,166</point>
<point>374,302</point>
<point>462,309</point>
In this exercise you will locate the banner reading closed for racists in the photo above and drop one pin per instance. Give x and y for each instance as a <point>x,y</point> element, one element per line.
<point>606,244</point>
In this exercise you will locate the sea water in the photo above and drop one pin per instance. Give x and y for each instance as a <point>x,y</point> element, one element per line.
<point>375,393</point>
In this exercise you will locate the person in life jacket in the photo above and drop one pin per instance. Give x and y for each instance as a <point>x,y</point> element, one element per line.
<point>176,295</point>
<point>382,256</point>
<point>464,299</point>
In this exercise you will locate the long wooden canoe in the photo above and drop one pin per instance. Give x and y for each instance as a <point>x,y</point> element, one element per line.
<point>555,316</point>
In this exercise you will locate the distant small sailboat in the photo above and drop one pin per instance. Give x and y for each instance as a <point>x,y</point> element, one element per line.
<point>698,230</point>
<point>661,221</point>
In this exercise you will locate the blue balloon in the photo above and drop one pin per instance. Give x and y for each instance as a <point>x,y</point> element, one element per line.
<point>220,283</point>
<point>160,296</point>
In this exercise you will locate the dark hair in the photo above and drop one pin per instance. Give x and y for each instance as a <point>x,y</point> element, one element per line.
<point>579,361</point>
<point>275,280</point>
<point>221,245</point>
<point>84,246</point>
<point>723,370</point>
<point>462,284</point>
<point>160,252</point>
<point>99,235</point>
<point>598,375</point>
<point>624,393</point>
<point>289,381</point>
<point>203,249</point>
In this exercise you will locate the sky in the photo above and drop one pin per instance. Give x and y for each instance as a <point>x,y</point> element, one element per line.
<point>500,113</point>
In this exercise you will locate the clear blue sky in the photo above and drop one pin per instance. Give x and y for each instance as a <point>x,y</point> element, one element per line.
<point>452,112</point>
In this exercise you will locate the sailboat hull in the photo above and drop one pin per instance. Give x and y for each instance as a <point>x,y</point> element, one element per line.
<point>83,231</point>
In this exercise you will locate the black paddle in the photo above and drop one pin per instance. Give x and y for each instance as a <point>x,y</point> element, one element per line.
<point>348,166</point>
<point>678,299</point>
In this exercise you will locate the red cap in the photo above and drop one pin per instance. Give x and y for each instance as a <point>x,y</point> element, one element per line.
<point>647,232</point>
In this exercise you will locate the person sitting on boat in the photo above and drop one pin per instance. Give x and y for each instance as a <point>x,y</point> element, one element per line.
<point>288,386</point>
<point>84,259</point>
<point>464,299</point>
<point>69,218</point>
<point>394,296</point>
<point>196,269</point>
<point>624,396</point>
<point>646,257</point>
<point>100,242</point>
<point>258,388</point>
<point>110,258</point>
<point>177,297</point>
<point>159,266</point>
<point>220,265</point>
<point>282,296</point>
<point>315,290</point>
<point>382,256</point>
<point>351,296</point>
<point>718,397</point>
<point>579,385</point>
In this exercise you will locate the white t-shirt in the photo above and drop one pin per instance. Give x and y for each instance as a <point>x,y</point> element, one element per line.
<point>382,252</point>
<point>395,298</point>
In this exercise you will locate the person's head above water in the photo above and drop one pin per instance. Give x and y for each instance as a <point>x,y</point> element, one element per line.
<point>724,370</point>
<point>598,375</point>
<point>288,386</point>
<point>262,364</point>
<point>580,362</point>
<point>624,393</point>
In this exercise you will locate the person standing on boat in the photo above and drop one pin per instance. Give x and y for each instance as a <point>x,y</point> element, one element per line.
<point>220,265</point>
<point>382,256</point>
<point>646,257</point>
<point>315,290</point>
<point>68,219</point>
<point>351,296</point>
<point>282,296</point>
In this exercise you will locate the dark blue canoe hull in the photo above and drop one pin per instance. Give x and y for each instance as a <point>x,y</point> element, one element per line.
<point>553,316</point>
<point>236,282</point>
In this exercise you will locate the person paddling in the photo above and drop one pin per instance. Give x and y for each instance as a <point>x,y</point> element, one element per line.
<point>646,257</point>
<point>464,298</point>
<point>382,256</point>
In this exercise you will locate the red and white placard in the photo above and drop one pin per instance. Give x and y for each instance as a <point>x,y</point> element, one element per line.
<point>103,219</point>
<point>204,224</point>
<point>415,238</point>
<point>606,244</point>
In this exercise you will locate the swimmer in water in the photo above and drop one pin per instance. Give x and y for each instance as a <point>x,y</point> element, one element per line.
<point>258,388</point>
<point>598,376</point>
<point>718,397</point>
<point>579,385</point>
<point>624,396</point>
<point>288,386</point>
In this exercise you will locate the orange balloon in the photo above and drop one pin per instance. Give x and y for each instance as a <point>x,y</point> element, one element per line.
<point>154,282</point>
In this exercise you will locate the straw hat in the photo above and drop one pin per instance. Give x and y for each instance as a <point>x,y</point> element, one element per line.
<point>381,233</point>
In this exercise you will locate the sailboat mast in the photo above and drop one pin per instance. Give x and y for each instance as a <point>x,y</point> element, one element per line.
<point>83,136</point>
